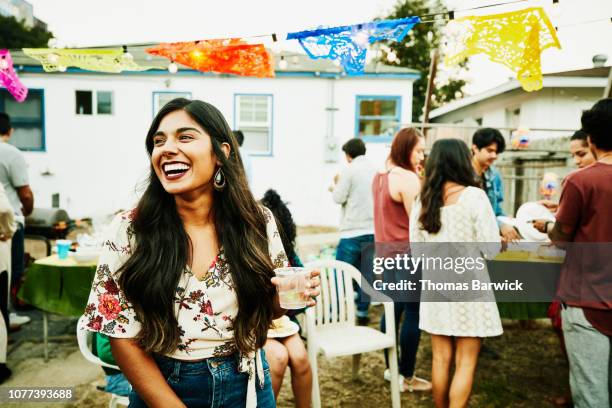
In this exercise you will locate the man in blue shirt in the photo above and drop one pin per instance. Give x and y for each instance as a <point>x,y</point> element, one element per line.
<point>487,144</point>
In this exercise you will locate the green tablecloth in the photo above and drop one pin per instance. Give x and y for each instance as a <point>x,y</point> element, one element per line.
<point>523,311</point>
<point>526,261</point>
<point>58,286</point>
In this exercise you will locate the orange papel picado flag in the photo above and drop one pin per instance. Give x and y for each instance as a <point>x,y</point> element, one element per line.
<point>226,56</point>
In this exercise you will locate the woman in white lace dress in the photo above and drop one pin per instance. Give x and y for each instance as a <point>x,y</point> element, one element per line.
<point>451,209</point>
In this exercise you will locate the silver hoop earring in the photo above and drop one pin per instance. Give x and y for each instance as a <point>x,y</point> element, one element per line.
<point>219,180</point>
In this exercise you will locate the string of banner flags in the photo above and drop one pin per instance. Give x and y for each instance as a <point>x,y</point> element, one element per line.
<point>515,39</point>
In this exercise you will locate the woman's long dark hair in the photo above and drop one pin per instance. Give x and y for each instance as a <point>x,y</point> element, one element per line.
<point>151,275</point>
<point>284,221</point>
<point>449,160</point>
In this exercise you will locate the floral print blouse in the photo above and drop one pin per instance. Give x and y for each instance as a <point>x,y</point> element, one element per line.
<point>205,307</point>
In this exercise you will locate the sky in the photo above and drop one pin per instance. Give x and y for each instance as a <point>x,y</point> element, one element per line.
<point>96,23</point>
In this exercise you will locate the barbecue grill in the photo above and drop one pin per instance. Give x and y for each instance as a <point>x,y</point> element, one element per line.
<point>51,223</point>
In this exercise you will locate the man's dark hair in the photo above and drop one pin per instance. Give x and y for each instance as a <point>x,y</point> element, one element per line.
<point>354,148</point>
<point>580,135</point>
<point>487,136</point>
<point>239,136</point>
<point>597,123</point>
<point>5,123</point>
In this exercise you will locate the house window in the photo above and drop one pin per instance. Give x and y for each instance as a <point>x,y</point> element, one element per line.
<point>378,116</point>
<point>253,116</point>
<point>105,103</point>
<point>163,97</point>
<point>84,102</point>
<point>27,119</point>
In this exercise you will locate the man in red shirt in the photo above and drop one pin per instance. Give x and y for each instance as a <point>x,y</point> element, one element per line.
<point>584,220</point>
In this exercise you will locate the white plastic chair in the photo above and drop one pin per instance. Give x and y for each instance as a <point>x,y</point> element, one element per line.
<point>84,338</point>
<point>332,330</point>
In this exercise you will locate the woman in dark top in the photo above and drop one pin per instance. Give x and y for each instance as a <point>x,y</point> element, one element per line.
<point>288,351</point>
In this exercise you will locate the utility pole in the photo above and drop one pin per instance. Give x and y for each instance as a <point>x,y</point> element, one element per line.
<point>430,84</point>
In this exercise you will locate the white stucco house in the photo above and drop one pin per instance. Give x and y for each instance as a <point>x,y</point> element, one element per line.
<point>83,132</point>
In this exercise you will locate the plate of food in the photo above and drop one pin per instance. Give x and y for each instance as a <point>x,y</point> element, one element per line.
<point>86,254</point>
<point>282,327</point>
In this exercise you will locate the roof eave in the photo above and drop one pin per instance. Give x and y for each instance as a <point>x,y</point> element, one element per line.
<point>37,69</point>
<point>548,82</point>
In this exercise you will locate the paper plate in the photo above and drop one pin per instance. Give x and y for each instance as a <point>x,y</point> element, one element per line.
<point>85,256</point>
<point>525,214</point>
<point>529,212</point>
<point>283,327</point>
<point>551,253</point>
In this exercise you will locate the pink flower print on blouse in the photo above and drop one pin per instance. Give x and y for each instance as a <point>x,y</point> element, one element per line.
<point>109,306</point>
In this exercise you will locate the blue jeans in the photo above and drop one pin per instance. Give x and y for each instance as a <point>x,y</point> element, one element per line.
<point>409,336</point>
<point>211,383</point>
<point>118,384</point>
<point>350,251</point>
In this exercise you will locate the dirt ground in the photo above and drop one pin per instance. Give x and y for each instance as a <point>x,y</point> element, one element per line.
<point>530,371</point>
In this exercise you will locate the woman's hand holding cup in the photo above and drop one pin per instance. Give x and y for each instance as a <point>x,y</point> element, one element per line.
<point>297,287</point>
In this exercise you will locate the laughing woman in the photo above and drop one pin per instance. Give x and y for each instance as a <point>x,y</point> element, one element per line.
<point>184,285</point>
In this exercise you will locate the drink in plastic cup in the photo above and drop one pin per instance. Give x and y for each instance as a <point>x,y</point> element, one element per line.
<point>63,246</point>
<point>292,287</point>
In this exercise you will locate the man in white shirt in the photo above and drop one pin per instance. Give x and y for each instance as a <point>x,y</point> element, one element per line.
<point>14,179</point>
<point>353,191</point>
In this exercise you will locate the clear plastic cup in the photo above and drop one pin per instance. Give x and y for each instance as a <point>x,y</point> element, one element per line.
<point>292,287</point>
<point>63,246</point>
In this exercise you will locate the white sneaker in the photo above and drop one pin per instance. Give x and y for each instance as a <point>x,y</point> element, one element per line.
<point>387,375</point>
<point>414,383</point>
<point>16,320</point>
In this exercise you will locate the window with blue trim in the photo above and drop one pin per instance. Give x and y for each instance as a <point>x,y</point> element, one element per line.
<point>27,119</point>
<point>377,116</point>
<point>253,116</point>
